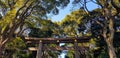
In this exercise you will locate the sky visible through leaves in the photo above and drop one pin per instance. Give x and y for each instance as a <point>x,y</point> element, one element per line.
<point>68,9</point>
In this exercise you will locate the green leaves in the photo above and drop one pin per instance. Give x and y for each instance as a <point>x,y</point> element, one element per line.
<point>16,48</point>
<point>17,43</point>
<point>70,22</point>
<point>45,29</point>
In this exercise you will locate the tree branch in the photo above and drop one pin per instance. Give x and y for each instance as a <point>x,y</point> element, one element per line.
<point>93,1</point>
<point>25,11</point>
<point>3,42</point>
<point>86,6</point>
<point>98,1</point>
<point>5,31</point>
<point>116,7</point>
<point>21,9</point>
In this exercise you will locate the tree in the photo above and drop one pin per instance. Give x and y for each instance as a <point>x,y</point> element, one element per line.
<point>14,13</point>
<point>109,11</point>
<point>108,30</point>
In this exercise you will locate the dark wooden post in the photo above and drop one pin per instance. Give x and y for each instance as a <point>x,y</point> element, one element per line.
<point>58,42</point>
<point>39,51</point>
<point>76,49</point>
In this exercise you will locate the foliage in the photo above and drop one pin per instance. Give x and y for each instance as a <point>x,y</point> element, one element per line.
<point>16,48</point>
<point>19,14</point>
<point>71,21</point>
<point>36,32</point>
<point>97,24</point>
<point>70,54</point>
<point>15,16</point>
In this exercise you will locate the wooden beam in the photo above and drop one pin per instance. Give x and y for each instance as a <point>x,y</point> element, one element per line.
<point>58,48</point>
<point>55,40</point>
<point>49,39</point>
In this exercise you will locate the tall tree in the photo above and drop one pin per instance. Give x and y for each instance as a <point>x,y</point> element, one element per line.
<point>109,11</point>
<point>14,13</point>
<point>108,7</point>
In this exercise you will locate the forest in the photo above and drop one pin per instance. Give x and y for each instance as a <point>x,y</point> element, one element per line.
<point>29,18</point>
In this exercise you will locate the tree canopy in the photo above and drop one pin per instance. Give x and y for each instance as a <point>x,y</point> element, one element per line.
<point>17,16</point>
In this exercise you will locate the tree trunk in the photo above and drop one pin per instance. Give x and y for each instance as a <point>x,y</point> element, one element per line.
<point>111,49</point>
<point>110,38</point>
<point>1,51</point>
<point>108,31</point>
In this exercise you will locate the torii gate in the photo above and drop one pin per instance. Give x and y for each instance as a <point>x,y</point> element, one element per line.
<point>42,41</point>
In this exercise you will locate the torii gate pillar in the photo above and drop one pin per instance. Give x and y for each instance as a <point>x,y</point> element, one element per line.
<point>39,51</point>
<point>76,52</point>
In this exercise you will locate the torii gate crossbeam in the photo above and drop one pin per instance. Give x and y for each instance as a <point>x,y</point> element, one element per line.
<point>42,41</point>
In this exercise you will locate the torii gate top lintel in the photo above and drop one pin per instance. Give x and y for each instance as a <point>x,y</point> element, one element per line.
<point>57,40</point>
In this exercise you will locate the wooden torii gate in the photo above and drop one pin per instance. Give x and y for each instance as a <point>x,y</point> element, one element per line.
<point>42,41</point>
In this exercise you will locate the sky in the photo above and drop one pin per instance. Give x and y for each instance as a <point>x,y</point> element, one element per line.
<point>67,10</point>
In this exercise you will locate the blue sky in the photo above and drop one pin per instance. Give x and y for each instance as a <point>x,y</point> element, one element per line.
<point>67,10</point>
